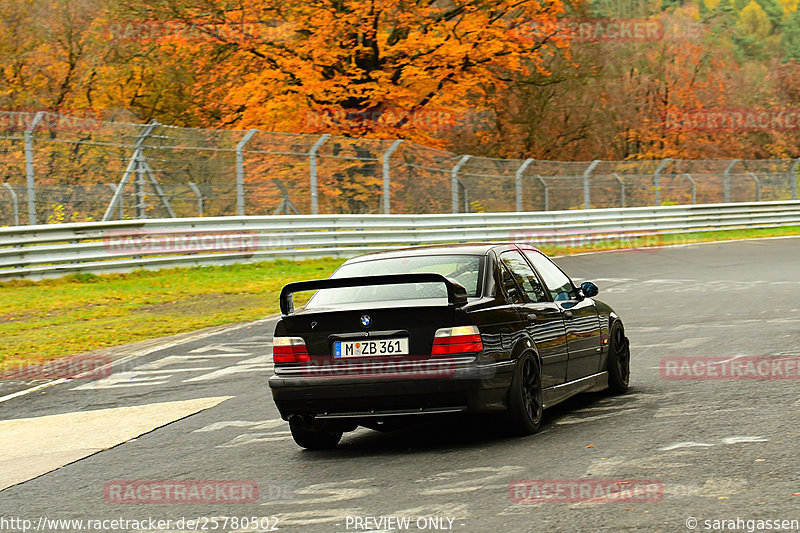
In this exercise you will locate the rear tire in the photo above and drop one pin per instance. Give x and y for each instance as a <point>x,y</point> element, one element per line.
<point>525,407</point>
<point>312,439</point>
<point>619,360</point>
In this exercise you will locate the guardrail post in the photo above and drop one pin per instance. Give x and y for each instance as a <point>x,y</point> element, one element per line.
<point>518,175</point>
<point>694,188</point>
<point>657,180</point>
<point>312,163</point>
<point>133,166</point>
<point>387,191</point>
<point>240,171</point>
<point>454,181</point>
<point>14,202</point>
<point>587,192</point>
<point>29,174</point>
<point>621,189</point>
<point>546,192</point>
<point>196,191</point>
<point>728,180</point>
<point>758,186</point>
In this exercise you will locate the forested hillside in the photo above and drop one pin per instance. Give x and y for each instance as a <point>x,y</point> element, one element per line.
<point>554,80</point>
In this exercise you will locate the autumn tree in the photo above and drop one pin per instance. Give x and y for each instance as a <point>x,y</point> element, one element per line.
<point>304,66</point>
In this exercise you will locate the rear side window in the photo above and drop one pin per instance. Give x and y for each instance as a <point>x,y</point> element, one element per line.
<point>510,287</point>
<point>465,269</point>
<point>557,282</point>
<point>524,276</point>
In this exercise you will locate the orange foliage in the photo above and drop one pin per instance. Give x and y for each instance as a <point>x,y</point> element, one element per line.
<point>386,69</point>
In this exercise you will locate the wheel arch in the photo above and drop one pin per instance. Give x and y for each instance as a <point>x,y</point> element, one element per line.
<point>525,345</point>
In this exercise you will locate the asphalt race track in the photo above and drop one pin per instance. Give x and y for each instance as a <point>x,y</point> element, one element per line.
<point>714,449</point>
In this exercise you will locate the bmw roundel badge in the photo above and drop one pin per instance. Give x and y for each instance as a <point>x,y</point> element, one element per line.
<point>366,321</point>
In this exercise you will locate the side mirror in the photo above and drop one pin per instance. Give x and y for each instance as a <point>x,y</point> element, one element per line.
<point>589,289</point>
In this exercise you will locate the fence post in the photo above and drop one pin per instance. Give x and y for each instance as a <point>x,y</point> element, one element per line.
<point>466,195</point>
<point>519,173</point>
<point>758,186</point>
<point>657,180</point>
<point>454,181</point>
<point>121,200</point>
<point>31,179</point>
<point>141,205</point>
<point>794,178</point>
<point>728,180</point>
<point>240,171</point>
<point>14,202</point>
<point>621,189</point>
<point>196,191</point>
<point>286,206</point>
<point>312,163</point>
<point>133,166</point>
<point>694,188</point>
<point>587,194</point>
<point>387,192</point>
<point>546,192</point>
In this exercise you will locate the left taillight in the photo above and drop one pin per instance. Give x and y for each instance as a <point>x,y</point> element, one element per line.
<point>289,350</point>
<point>460,339</point>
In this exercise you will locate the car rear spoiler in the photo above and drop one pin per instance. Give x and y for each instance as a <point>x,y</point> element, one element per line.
<point>456,293</point>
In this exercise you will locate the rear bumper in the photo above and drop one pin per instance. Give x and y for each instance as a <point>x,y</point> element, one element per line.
<point>475,388</point>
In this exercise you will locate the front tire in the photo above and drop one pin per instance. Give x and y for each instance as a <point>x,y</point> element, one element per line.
<point>314,439</point>
<point>525,406</point>
<point>619,360</point>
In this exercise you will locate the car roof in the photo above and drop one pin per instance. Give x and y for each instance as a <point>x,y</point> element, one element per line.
<point>436,249</point>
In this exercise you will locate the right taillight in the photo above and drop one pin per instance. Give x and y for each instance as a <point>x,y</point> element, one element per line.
<point>459,339</point>
<point>289,350</point>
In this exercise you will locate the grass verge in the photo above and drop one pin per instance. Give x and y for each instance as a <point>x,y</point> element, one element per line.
<point>43,320</point>
<point>47,319</point>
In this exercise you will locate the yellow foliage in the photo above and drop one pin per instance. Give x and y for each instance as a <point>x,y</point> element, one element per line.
<point>754,20</point>
<point>57,216</point>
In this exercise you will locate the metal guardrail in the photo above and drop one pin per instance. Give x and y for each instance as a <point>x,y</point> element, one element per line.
<point>54,250</point>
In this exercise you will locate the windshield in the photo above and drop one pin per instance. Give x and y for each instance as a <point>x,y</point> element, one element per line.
<point>465,269</point>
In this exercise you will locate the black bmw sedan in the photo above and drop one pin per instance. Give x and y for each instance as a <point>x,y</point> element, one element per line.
<point>477,328</point>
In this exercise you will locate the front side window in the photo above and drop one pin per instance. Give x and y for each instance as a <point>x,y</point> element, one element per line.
<point>465,269</point>
<point>559,285</point>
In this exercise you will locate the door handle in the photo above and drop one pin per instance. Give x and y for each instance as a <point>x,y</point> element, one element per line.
<point>532,317</point>
<point>568,314</point>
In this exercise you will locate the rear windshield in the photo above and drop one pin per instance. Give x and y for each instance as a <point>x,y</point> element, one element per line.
<point>465,269</point>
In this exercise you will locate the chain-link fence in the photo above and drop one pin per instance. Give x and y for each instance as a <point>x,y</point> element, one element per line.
<point>56,168</point>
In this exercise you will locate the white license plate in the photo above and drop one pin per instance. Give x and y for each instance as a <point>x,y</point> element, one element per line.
<point>370,348</point>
